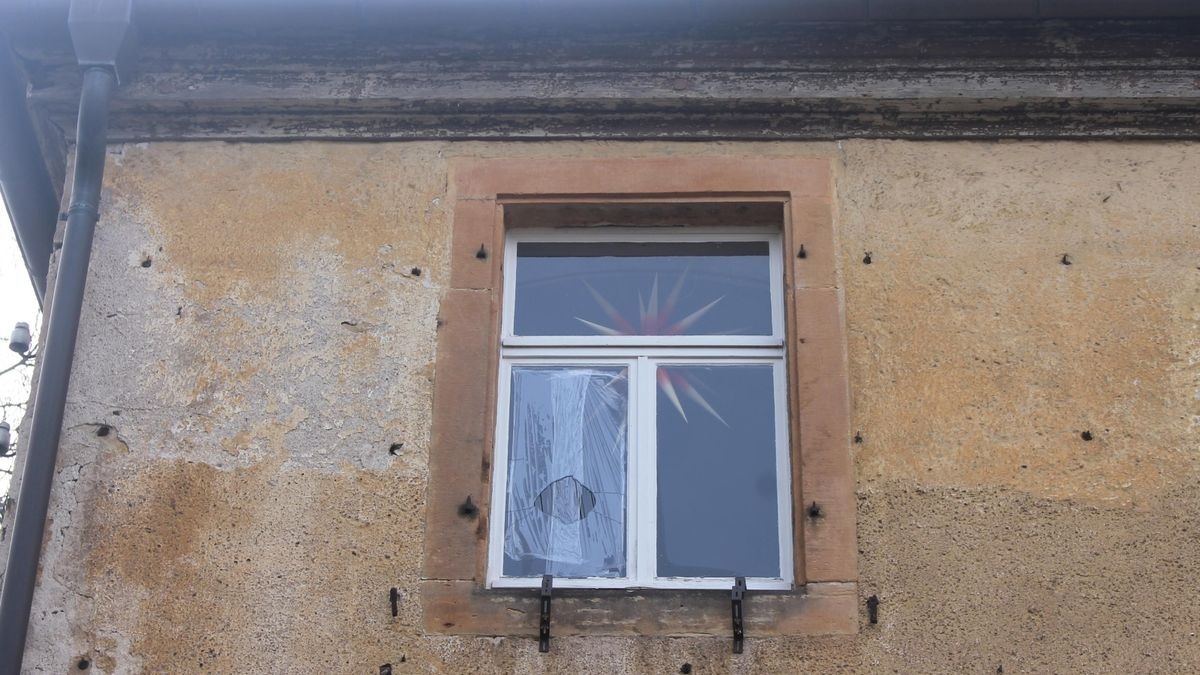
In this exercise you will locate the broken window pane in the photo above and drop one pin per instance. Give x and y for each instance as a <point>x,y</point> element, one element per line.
<point>565,511</point>
<point>718,506</point>
<point>613,289</point>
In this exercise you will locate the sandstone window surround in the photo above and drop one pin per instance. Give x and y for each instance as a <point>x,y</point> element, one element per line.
<point>496,195</point>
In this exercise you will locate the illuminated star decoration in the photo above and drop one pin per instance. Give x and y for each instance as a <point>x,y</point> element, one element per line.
<point>656,319</point>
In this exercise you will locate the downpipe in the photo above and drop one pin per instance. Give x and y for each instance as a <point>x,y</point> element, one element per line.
<point>41,450</point>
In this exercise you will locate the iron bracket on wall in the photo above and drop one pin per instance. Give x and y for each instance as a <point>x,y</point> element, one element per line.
<point>544,625</point>
<point>739,632</point>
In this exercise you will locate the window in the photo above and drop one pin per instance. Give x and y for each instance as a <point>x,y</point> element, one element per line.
<point>642,421</point>
<point>537,229</point>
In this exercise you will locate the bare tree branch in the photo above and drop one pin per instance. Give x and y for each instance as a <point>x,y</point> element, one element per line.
<point>25,361</point>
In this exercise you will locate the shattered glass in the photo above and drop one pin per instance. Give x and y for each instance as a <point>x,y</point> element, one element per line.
<point>565,509</point>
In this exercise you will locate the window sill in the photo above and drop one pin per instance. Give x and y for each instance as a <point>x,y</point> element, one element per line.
<point>465,608</point>
<point>694,584</point>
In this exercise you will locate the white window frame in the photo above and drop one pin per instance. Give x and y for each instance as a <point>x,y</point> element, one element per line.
<point>641,355</point>
<point>643,235</point>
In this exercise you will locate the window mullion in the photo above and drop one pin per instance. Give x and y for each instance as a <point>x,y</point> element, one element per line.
<point>633,504</point>
<point>647,473</point>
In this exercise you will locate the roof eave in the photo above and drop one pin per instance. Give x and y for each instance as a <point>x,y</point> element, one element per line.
<point>28,190</point>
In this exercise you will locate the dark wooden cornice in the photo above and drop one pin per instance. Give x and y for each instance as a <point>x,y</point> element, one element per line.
<point>972,79</point>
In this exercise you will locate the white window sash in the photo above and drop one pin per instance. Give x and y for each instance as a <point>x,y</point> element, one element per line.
<point>642,235</point>
<point>641,355</point>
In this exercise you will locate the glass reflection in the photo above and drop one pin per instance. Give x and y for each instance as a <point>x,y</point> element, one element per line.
<point>718,509</point>
<point>616,289</point>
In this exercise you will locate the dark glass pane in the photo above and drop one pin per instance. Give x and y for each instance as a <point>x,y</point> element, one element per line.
<point>566,472</point>
<point>717,499</point>
<point>595,288</point>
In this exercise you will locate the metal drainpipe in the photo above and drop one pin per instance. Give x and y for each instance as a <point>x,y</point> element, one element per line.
<point>99,82</point>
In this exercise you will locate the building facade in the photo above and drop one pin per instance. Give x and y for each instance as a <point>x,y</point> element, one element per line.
<point>292,416</point>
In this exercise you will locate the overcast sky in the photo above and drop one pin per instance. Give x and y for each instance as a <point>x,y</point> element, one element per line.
<point>17,303</point>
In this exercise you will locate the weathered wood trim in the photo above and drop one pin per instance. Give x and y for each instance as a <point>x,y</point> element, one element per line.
<point>945,79</point>
<point>417,92</point>
<point>1170,123</point>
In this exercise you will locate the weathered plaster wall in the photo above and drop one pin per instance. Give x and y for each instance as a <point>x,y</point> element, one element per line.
<point>259,331</point>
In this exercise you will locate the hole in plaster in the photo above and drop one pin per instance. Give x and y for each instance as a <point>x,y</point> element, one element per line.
<point>83,664</point>
<point>146,262</point>
<point>858,437</point>
<point>686,669</point>
<point>416,271</point>
<point>103,430</point>
<point>867,258</point>
<point>468,509</point>
<point>395,449</point>
<point>1087,436</point>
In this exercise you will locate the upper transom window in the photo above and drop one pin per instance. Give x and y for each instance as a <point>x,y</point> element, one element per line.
<point>642,417</point>
<point>624,287</point>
